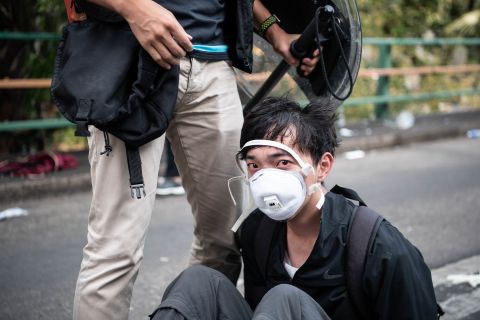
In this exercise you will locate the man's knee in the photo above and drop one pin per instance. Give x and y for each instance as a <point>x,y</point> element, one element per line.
<point>285,292</point>
<point>95,272</point>
<point>202,273</point>
<point>291,303</point>
<point>195,280</point>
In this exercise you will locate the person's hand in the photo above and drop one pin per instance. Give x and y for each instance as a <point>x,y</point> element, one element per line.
<point>308,64</point>
<point>281,42</point>
<point>158,31</point>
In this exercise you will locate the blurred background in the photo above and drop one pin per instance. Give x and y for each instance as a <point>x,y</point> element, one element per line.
<point>411,148</point>
<point>418,56</point>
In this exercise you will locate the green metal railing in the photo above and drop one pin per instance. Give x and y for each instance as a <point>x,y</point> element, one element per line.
<point>29,36</point>
<point>381,100</point>
<point>382,97</point>
<point>411,97</point>
<point>56,123</point>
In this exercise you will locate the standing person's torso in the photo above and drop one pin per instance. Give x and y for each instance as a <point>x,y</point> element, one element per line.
<point>205,21</point>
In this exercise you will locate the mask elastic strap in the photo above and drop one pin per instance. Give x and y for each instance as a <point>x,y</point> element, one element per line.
<point>315,188</point>
<point>240,220</point>
<point>230,189</point>
<point>306,169</point>
<point>320,202</point>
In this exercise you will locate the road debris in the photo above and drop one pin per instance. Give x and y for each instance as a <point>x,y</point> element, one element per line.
<point>12,213</point>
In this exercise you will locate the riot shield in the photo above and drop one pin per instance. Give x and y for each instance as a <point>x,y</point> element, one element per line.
<point>334,27</point>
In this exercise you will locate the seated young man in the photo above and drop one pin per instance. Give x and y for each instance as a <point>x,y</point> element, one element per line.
<point>289,153</point>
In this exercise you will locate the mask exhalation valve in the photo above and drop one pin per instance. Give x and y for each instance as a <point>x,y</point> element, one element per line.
<point>272,202</point>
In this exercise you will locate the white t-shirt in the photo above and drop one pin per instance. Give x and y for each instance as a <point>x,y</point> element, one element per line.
<point>288,266</point>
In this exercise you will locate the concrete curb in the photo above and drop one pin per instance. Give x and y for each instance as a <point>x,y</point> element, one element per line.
<point>367,136</point>
<point>470,265</point>
<point>458,300</point>
<point>19,189</point>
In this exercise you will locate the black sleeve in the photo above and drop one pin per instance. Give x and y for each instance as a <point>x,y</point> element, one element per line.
<point>396,278</point>
<point>255,285</point>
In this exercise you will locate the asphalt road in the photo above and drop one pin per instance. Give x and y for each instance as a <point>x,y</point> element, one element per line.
<point>430,191</point>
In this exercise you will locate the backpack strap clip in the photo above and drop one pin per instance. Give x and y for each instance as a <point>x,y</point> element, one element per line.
<point>136,191</point>
<point>81,118</point>
<point>137,187</point>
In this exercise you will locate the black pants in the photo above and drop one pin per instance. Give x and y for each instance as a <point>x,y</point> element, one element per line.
<point>203,293</point>
<point>171,170</point>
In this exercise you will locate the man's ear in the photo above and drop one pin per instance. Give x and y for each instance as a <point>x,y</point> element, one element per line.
<point>324,166</point>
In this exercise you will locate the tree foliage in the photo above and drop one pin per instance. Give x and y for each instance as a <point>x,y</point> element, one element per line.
<point>26,59</point>
<point>467,25</point>
<point>414,18</point>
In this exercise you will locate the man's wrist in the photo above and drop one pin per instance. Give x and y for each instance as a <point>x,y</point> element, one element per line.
<point>270,34</point>
<point>267,24</point>
<point>126,8</point>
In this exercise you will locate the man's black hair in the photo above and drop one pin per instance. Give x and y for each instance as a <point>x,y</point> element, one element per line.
<point>274,118</point>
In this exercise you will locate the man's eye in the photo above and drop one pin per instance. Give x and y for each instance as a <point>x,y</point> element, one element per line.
<point>283,163</point>
<point>252,165</point>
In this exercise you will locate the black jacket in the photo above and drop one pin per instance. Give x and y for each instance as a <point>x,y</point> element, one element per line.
<point>397,281</point>
<point>240,24</point>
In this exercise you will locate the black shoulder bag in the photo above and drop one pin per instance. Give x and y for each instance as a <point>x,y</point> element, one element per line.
<point>103,77</point>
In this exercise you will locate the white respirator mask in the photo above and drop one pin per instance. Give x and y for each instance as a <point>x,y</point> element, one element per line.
<point>278,193</point>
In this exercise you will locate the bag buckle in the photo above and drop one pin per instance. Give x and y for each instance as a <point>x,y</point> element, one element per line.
<point>82,128</point>
<point>136,191</point>
<point>84,106</point>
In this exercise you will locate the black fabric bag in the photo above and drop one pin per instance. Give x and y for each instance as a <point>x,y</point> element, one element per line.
<point>103,77</point>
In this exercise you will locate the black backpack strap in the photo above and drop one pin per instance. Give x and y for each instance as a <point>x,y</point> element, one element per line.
<point>137,187</point>
<point>348,193</point>
<point>363,229</point>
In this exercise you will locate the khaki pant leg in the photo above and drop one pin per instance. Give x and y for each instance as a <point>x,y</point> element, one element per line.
<point>117,225</point>
<point>205,136</point>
